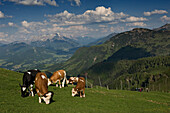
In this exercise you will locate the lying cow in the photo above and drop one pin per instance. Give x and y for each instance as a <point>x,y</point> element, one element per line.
<point>41,87</point>
<point>58,76</point>
<point>79,87</point>
<point>73,80</point>
<point>28,81</point>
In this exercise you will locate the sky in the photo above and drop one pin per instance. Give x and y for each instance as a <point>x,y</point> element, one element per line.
<point>31,20</point>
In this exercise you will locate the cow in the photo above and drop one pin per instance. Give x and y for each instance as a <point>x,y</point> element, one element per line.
<point>41,87</point>
<point>73,80</point>
<point>28,81</point>
<point>58,76</point>
<point>79,87</point>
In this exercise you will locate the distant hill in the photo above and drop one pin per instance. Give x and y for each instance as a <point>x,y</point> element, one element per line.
<point>151,42</point>
<point>20,56</point>
<point>84,41</point>
<point>57,43</point>
<point>165,27</point>
<point>101,40</point>
<point>148,72</point>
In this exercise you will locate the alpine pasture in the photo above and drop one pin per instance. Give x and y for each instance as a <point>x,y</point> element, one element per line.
<point>98,100</point>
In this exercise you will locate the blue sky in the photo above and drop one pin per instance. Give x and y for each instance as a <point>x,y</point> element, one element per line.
<point>29,20</point>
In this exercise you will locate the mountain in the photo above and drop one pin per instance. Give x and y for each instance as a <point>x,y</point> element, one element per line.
<point>57,43</point>
<point>83,41</point>
<point>101,40</point>
<point>150,42</point>
<point>151,72</point>
<point>21,56</point>
<point>165,27</point>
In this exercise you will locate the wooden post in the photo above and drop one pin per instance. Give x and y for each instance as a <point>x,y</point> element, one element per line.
<point>121,84</point>
<point>100,82</point>
<point>86,79</point>
<point>107,87</point>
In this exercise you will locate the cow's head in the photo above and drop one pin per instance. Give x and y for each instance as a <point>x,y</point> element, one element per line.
<point>74,92</point>
<point>47,97</point>
<point>23,90</point>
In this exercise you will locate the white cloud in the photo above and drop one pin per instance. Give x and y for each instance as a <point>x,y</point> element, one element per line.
<point>133,19</point>
<point>25,23</point>
<point>77,2</point>
<point>3,35</point>
<point>140,24</point>
<point>10,24</point>
<point>165,18</point>
<point>155,12</point>
<point>2,15</point>
<point>35,2</point>
<point>99,15</point>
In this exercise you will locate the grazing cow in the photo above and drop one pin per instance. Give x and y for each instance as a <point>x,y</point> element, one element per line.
<point>28,81</point>
<point>73,80</point>
<point>41,87</point>
<point>58,76</point>
<point>79,87</point>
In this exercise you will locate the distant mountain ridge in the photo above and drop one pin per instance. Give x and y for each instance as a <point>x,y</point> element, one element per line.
<point>39,54</point>
<point>57,43</point>
<point>153,42</point>
<point>21,56</point>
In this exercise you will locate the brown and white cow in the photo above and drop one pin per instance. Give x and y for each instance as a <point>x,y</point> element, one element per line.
<point>73,80</point>
<point>41,86</point>
<point>58,76</point>
<point>79,87</point>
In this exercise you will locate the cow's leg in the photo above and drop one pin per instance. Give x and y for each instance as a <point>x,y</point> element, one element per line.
<point>56,84</point>
<point>63,82</point>
<point>80,94</point>
<point>29,91</point>
<point>84,92</point>
<point>39,99</point>
<point>60,83</point>
<point>32,90</point>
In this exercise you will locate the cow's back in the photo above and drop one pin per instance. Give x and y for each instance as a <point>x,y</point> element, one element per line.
<point>41,83</point>
<point>81,83</point>
<point>57,75</point>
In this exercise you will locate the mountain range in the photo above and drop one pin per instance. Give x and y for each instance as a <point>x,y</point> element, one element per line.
<point>113,59</point>
<point>40,53</point>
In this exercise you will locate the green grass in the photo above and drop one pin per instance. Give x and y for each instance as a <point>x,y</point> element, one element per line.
<point>96,101</point>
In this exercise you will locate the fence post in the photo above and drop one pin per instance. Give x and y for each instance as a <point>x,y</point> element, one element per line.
<point>100,82</point>
<point>107,87</point>
<point>121,84</point>
<point>86,79</point>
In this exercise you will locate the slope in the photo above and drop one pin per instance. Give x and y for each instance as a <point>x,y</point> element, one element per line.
<point>96,100</point>
<point>153,42</point>
<point>20,56</point>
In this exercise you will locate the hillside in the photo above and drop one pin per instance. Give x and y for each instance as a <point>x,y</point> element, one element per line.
<point>97,100</point>
<point>150,72</point>
<point>150,42</point>
<point>101,40</point>
<point>20,56</point>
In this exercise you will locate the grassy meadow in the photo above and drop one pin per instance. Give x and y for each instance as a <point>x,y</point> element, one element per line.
<point>98,100</point>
